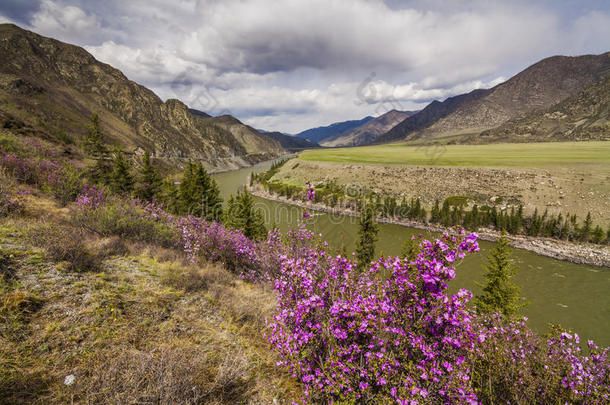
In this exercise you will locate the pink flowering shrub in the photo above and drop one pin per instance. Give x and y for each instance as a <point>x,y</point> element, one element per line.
<point>513,365</point>
<point>390,334</point>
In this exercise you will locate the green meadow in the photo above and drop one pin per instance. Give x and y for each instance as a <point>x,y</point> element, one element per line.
<point>547,154</point>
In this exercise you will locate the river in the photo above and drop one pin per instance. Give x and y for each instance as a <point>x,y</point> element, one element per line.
<point>575,296</point>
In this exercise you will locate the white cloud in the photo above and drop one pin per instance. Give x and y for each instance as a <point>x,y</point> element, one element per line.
<point>68,23</point>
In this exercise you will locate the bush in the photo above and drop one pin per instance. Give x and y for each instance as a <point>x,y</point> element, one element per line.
<point>124,218</point>
<point>10,199</point>
<point>67,244</point>
<point>67,186</point>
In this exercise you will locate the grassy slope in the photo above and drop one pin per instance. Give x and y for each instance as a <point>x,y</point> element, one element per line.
<point>146,328</point>
<point>552,154</point>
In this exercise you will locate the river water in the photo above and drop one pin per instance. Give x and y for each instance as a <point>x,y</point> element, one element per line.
<point>575,296</point>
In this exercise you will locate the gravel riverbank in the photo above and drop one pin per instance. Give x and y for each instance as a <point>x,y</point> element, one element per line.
<point>590,254</point>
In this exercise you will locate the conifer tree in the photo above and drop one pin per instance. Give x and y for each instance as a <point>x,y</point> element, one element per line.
<point>199,194</point>
<point>149,183</point>
<point>97,149</point>
<point>435,215</point>
<point>598,235</point>
<point>410,249</point>
<point>169,196</point>
<point>585,231</point>
<point>241,214</point>
<point>500,294</point>
<point>121,180</point>
<point>365,248</point>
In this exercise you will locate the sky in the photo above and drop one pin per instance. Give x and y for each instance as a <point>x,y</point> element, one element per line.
<point>288,65</point>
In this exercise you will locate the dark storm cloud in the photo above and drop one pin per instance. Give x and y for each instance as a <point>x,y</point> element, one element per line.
<point>20,11</point>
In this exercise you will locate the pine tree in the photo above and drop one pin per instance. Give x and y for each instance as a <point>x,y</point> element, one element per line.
<point>500,294</point>
<point>121,180</point>
<point>445,214</point>
<point>598,235</point>
<point>199,194</point>
<point>169,196</point>
<point>149,184</point>
<point>94,143</point>
<point>241,214</point>
<point>585,231</point>
<point>435,216</point>
<point>365,248</point>
<point>475,220</point>
<point>410,249</point>
<point>97,149</point>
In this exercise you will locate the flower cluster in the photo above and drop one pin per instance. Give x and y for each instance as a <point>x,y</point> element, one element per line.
<point>91,197</point>
<point>30,170</point>
<point>388,334</point>
<point>311,196</point>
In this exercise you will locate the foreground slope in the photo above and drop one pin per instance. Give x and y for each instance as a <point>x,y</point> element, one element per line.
<point>50,89</point>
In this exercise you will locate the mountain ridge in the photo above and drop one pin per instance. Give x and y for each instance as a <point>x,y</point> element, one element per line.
<point>369,131</point>
<point>536,88</point>
<point>318,134</point>
<point>53,88</point>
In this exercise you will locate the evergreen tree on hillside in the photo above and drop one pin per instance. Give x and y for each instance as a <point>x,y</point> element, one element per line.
<point>597,236</point>
<point>199,194</point>
<point>96,148</point>
<point>245,217</point>
<point>121,180</point>
<point>585,231</point>
<point>365,248</point>
<point>169,196</point>
<point>500,294</point>
<point>149,182</point>
<point>94,143</point>
<point>435,215</point>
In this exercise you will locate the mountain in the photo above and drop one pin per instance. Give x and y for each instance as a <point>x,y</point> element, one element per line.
<point>584,116</point>
<point>292,143</point>
<point>321,133</point>
<point>429,115</point>
<point>535,89</point>
<point>369,131</point>
<point>49,88</point>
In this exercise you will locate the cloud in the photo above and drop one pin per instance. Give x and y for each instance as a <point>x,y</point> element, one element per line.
<point>295,64</point>
<point>19,11</point>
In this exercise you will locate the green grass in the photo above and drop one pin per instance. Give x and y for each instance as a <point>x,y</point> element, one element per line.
<point>548,154</point>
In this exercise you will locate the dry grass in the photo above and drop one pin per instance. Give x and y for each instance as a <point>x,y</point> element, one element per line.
<point>145,328</point>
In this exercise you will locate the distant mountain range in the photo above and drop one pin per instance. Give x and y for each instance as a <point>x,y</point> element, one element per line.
<point>368,132</point>
<point>321,133</point>
<point>50,89</point>
<point>537,90</point>
<point>290,142</point>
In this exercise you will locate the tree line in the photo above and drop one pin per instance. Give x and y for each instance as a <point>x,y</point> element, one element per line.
<point>193,192</point>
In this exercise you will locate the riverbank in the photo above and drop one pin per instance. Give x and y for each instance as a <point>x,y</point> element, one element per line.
<point>557,249</point>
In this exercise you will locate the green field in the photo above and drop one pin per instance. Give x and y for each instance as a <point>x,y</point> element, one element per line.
<point>548,154</point>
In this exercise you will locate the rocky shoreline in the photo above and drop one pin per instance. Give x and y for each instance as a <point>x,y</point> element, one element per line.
<point>589,254</point>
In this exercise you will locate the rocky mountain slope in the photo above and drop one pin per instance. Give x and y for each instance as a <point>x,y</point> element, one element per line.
<point>369,131</point>
<point>429,115</point>
<point>319,134</point>
<point>49,88</point>
<point>534,90</point>
<point>584,116</point>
